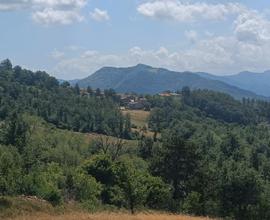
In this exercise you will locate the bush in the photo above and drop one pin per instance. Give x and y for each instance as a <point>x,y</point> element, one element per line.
<point>86,187</point>
<point>54,197</point>
<point>192,204</point>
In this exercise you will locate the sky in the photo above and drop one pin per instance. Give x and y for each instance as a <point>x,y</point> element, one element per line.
<point>71,39</point>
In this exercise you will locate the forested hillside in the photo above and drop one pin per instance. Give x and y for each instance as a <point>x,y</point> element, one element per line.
<point>214,151</point>
<point>39,94</point>
<point>208,155</point>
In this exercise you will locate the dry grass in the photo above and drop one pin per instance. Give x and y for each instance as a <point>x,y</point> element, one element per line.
<point>107,216</point>
<point>32,208</point>
<point>90,137</point>
<point>138,117</point>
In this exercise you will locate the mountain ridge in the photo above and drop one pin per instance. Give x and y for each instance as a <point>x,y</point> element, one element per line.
<point>145,79</point>
<point>258,83</point>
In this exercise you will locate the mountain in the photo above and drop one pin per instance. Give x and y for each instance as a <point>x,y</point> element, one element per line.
<point>258,83</point>
<point>148,80</point>
<point>72,82</point>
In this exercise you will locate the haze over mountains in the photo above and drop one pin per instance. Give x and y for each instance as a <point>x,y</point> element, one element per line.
<point>258,83</point>
<point>148,80</point>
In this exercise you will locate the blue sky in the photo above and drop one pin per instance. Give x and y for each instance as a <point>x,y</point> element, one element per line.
<point>73,38</point>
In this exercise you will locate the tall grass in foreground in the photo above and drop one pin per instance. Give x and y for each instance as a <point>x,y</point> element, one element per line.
<point>107,216</point>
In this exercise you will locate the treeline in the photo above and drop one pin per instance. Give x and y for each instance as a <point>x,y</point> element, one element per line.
<point>64,106</point>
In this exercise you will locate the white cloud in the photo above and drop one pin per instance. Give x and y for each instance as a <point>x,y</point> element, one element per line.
<point>56,54</point>
<point>100,15</point>
<point>50,16</point>
<point>68,4</point>
<point>217,55</point>
<point>21,4</point>
<point>252,27</point>
<point>7,5</point>
<point>89,54</point>
<point>187,12</point>
<point>48,12</point>
<point>191,35</point>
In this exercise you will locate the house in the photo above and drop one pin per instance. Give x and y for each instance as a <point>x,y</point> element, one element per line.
<point>122,108</point>
<point>136,106</point>
<point>126,99</point>
<point>168,94</point>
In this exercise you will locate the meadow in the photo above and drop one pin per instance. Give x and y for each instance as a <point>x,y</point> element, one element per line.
<point>138,117</point>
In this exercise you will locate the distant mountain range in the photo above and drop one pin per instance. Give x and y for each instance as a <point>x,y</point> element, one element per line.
<point>145,79</point>
<point>258,83</point>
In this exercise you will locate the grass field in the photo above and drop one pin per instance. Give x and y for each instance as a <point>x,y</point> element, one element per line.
<point>138,117</point>
<point>107,216</point>
<point>90,137</point>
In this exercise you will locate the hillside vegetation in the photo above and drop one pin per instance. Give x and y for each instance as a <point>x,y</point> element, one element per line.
<point>207,154</point>
<point>62,105</point>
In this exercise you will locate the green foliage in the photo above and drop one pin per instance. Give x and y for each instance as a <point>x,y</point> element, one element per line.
<point>10,171</point>
<point>192,204</point>
<point>158,193</point>
<point>146,147</point>
<point>209,154</point>
<point>64,106</point>
<point>176,161</point>
<point>14,132</point>
<point>100,166</point>
<point>124,185</point>
<point>45,183</point>
<point>220,167</point>
<point>240,190</point>
<point>86,187</point>
<point>131,181</point>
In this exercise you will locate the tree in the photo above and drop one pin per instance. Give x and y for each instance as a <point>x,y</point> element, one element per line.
<point>158,193</point>
<point>109,93</point>
<point>86,187</point>
<point>98,92</point>
<point>14,132</point>
<point>77,89</point>
<point>65,84</point>
<point>101,167</point>
<point>146,147</point>
<point>186,93</point>
<point>240,191</point>
<point>176,161</point>
<point>10,171</point>
<point>108,146</point>
<point>230,145</point>
<point>131,182</point>
<point>45,183</point>
<point>90,90</point>
<point>6,65</point>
